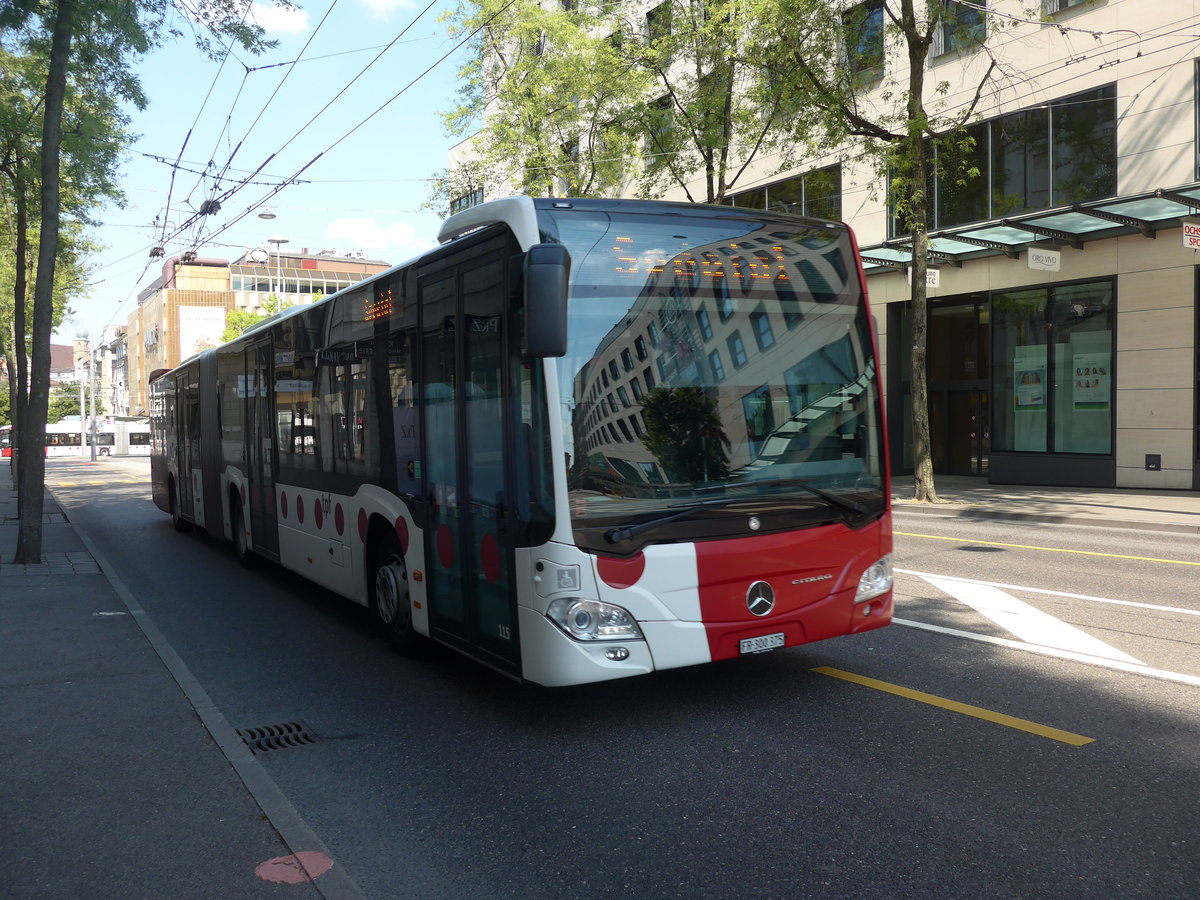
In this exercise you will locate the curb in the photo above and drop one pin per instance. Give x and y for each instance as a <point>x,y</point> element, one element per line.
<point>967,510</point>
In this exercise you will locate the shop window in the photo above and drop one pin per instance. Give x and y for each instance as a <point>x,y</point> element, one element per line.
<point>1052,375</point>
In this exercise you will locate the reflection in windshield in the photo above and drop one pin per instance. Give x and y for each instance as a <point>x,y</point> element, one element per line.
<point>730,351</point>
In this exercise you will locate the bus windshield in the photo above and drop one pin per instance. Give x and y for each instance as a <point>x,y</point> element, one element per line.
<point>720,371</point>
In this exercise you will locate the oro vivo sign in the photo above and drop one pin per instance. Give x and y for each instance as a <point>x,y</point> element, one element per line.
<point>1191,234</point>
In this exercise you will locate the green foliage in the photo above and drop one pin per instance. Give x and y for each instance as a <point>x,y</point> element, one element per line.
<point>683,431</point>
<point>64,401</point>
<point>605,101</point>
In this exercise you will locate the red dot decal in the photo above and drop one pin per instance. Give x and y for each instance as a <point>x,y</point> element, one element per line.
<point>621,573</point>
<point>299,509</point>
<point>489,557</point>
<point>299,868</point>
<point>445,546</point>
<point>339,519</point>
<point>362,524</point>
<point>318,512</point>
<point>283,503</point>
<point>402,534</point>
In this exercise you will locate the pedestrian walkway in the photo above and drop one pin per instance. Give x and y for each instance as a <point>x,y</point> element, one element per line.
<point>1172,511</point>
<point>114,783</point>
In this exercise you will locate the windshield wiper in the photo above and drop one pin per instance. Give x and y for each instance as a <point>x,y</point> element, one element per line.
<point>625,532</point>
<point>833,499</point>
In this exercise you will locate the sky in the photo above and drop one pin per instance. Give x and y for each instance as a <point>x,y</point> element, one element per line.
<point>364,192</point>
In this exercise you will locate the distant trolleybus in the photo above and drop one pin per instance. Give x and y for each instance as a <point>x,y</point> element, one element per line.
<point>580,440</point>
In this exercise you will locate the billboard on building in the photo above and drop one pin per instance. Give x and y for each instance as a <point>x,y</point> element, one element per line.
<point>200,328</point>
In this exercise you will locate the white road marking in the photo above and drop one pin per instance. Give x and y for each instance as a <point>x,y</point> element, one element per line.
<point>1088,597</point>
<point>1163,674</point>
<point>1025,621</point>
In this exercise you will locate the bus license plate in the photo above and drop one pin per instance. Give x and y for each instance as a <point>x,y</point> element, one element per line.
<point>762,644</point>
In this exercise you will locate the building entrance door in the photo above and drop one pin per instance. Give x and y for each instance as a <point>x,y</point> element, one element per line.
<point>958,370</point>
<point>959,431</point>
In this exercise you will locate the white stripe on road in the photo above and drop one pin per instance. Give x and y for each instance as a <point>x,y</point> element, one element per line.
<point>1163,674</point>
<point>1025,621</point>
<point>1032,590</point>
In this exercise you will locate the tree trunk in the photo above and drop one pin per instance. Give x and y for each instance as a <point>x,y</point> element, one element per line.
<point>918,154</point>
<point>32,485</point>
<point>19,378</point>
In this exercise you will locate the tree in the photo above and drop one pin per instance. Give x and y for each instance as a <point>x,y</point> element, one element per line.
<point>95,43</point>
<point>824,60</point>
<point>239,321</point>
<point>63,402</point>
<point>602,101</point>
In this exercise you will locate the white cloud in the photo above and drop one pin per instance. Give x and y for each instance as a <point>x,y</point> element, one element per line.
<point>399,239</point>
<point>383,9</point>
<point>279,20</point>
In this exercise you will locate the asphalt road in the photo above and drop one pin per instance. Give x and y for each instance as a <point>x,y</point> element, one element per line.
<point>938,758</point>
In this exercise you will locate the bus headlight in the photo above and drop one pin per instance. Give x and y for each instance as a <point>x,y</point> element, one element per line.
<point>875,581</point>
<point>591,620</point>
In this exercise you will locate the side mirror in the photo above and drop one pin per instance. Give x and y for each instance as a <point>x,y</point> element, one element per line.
<point>547,269</point>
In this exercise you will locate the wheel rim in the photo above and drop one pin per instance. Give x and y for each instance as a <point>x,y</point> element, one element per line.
<point>391,594</point>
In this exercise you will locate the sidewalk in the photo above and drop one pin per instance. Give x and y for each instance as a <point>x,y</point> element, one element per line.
<point>115,784</point>
<point>1172,511</point>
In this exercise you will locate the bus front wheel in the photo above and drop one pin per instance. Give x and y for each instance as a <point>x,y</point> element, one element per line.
<point>389,595</point>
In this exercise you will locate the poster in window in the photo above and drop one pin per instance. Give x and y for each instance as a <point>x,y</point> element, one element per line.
<point>1093,380</point>
<point>1029,376</point>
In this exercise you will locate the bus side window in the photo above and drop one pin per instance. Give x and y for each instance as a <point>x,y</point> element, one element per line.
<point>404,412</point>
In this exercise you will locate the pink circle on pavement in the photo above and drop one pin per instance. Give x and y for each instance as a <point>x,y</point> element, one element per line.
<point>295,869</point>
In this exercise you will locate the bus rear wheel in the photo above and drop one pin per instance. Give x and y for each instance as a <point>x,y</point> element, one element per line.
<point>389,596</point>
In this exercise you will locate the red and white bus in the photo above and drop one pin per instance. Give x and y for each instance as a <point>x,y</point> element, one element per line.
<point>580,440</point>
<point>116,437</point>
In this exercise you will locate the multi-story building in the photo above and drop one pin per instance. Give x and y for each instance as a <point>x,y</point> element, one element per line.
<point>183,311</point>
<point>1064,344</point>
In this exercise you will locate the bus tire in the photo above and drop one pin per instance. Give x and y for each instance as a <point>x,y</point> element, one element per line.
<point>241,543</point>
<point>388,589</point>
<point>181,524</point>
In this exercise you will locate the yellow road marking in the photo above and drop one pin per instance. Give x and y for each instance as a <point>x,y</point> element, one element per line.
<point>1055,734</point>
<point>939,537</point>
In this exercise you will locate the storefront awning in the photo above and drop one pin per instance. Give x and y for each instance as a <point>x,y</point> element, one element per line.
<point>1071,226</point>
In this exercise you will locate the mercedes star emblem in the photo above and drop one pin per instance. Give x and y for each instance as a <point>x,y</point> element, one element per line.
<point>760,598</point>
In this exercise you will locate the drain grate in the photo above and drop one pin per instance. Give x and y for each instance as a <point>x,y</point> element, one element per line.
<point>266,738</point>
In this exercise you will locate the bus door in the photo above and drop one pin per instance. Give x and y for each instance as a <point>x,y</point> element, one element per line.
<point>260,447</point>
<point>187,447</point>
<point>465,443</point>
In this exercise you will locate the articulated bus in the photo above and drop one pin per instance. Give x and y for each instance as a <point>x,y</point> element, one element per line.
<point>580,440</point>
<point>119,437</point>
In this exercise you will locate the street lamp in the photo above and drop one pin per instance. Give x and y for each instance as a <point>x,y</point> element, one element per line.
<point>278,240</point>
